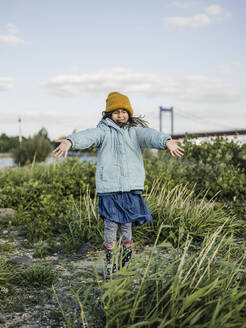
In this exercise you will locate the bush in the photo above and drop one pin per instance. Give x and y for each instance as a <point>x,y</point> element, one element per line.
<point>215,167</point>
<point>193,194</point>
<point>34,149</point>
<point>8,143</point>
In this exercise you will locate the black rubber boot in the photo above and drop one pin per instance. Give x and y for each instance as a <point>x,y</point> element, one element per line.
<point>126,255</point>
<point>110,266</point>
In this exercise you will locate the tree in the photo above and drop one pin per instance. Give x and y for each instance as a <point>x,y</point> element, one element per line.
<point>43,132</point>
<point>32,149</point>
<point>7,143</point>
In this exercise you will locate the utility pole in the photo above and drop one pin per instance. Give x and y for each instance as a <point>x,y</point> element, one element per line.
<point>20,135</point>
<point>162,109</point>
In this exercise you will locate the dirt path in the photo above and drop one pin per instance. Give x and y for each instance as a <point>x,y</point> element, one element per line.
<point>31,306</point>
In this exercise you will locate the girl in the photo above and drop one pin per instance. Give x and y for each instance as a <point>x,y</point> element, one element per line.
<point>119,138</point>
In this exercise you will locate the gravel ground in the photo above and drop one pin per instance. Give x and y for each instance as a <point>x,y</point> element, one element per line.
<point>30,306</point>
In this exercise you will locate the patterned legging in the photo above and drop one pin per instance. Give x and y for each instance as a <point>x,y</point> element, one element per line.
<point>110,232</point>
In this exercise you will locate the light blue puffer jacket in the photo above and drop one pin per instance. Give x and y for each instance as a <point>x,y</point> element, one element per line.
<point>119,156</point>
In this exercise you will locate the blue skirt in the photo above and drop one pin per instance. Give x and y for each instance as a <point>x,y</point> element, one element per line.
<point>124,207</point>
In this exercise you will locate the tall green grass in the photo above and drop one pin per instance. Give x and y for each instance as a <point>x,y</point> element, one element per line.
<point>5,275</point>
<point>183,212</point>
<point>56,204</point>
<point>179,289</point>
<point>171,287</point>
<point>180,213</point>
<point>193,276</point>
<point>53,221</point>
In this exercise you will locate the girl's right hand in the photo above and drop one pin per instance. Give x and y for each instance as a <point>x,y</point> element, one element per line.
<point>174,149</point>
<point>63,148</point>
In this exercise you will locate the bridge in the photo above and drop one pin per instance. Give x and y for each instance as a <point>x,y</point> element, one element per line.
<point>239,132</point>
<point>210,134</point>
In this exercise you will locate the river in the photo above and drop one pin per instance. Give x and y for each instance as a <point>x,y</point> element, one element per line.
<point>9,162</point>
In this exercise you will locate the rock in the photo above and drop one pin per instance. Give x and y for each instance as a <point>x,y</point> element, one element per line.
<point>14,234</point>
<point>7,213</point>
<point>25,260</point>
<point>100,268</point>
<point>84,248</point>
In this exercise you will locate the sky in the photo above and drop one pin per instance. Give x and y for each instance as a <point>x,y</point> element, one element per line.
<point>59,60</point>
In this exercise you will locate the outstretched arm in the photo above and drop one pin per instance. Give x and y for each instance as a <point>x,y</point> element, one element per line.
<point>80,140</point>
<point>151,138</point>
<point>174,149</point>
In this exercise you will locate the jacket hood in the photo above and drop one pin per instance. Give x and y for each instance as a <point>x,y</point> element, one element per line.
<point>110,123</point>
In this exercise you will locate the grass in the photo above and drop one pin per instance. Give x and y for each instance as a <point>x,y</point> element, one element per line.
<point>35,193</point>
<point>171,288</point>
<point>6,248</point>
<point>39,275</point>
<point>5,275</point>
<point>192,275</point>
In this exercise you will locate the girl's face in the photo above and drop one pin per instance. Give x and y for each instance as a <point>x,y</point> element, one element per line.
<point>120,116</point>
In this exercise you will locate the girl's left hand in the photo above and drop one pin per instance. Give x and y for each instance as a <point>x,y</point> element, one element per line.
<point>174,149</point>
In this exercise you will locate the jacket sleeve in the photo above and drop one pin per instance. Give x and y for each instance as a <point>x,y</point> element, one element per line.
<point>151,138</point>
<point>86,138</point>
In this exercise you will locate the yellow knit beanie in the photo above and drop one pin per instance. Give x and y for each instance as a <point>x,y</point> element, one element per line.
<point>116,100</point>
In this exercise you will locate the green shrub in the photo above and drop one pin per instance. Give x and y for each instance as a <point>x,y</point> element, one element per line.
<point>184,213</point>
<point>8,143</point>
<point>35,149</point>
<point>193,194</point>
<point>215,167</point>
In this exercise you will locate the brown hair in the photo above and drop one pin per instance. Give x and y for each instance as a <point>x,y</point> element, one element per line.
<point>132,121</point>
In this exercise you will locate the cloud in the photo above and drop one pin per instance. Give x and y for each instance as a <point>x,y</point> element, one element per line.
<point>224,69</point>
<point>210,14</point>
<point>229,69</point>
<point>216,10</point>
<point>181,23</point>
<point>5,83</point>
<point>208,91</point>
<point>102,81</point>
<point>57,125</point>
<point>12,37</point>
<point>184,5</point>
<point>194,88</point>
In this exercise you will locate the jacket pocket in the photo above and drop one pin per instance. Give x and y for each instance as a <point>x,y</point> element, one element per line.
<point>110,173</point>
